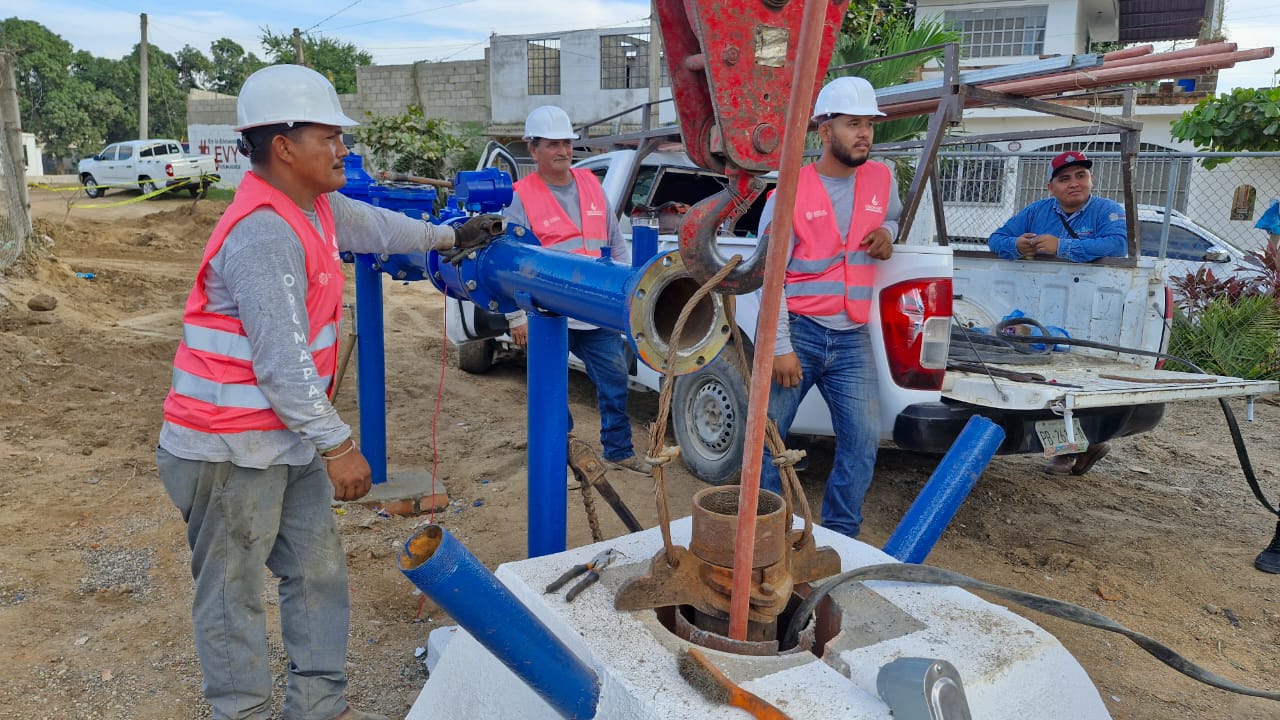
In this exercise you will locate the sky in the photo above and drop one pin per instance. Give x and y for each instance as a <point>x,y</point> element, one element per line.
<point>397,32</point>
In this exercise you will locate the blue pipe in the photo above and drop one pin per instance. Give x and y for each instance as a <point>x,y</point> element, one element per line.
<point>455,580</point>
<point>371,363</point>
<point>946,490</point>
<point>548,428</point>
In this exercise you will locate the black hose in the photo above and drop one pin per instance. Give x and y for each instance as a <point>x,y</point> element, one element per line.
<point>907,572</point>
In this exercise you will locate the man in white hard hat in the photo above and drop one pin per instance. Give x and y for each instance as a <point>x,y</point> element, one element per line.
<point>251,450</point>
<point>845,221</point>
<point>567,211</point>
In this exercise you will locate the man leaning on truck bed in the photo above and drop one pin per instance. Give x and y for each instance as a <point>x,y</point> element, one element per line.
<point>1074,225</point>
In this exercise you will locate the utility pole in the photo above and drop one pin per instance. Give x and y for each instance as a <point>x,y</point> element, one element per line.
<point>297,47</point>
<point>11,149</point>
<point>655,69</point>
<point>144,92</point>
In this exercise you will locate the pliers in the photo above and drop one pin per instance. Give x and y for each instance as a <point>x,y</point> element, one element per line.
<point>592,570</point>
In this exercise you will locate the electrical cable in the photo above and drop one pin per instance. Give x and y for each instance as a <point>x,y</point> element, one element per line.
<point>908,572</point>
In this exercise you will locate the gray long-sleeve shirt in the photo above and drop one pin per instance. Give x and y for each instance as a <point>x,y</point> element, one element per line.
<point>567,196</point>
<point>246,279</point>
<point>840,191</point>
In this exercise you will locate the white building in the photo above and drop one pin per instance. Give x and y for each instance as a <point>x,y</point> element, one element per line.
<point>592,74</point>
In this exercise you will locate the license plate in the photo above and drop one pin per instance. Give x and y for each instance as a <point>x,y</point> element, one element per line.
<point>1053,437</point>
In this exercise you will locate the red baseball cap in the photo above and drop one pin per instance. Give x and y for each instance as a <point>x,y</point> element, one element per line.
<point>1068,159</point>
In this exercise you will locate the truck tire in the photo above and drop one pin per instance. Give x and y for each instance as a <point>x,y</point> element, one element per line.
<point>148,186</point>
<point>198,190</point>
<point>476,356</point>
<point>709,416</point>
<point>91,186</point>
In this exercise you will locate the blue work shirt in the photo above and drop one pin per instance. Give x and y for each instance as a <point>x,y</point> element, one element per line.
<point>1099,225</point>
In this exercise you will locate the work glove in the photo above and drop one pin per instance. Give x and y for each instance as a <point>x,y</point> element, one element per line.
<point>475,233</point>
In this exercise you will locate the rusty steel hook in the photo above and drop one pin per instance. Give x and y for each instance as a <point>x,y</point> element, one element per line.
<point>699,229</point>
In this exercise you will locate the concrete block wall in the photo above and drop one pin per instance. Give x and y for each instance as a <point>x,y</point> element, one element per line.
<point>210,108</point>
<point>456,91</point>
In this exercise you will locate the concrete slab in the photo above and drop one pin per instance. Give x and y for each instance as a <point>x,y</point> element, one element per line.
<point>407,492</point>
<point>1010,668</point>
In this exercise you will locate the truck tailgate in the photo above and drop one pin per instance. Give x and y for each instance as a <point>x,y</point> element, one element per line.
<point>1076,382</point>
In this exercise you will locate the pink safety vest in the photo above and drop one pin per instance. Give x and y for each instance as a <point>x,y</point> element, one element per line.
<point>553,227</point>
<point>214,388</point>
<point>828,275</point>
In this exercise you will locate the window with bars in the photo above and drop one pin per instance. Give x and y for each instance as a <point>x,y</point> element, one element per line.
<point>975,180</point>
<point>1150,178</point>
<point>624,62</point>
<point>999,32</point>
<point>544,66</point>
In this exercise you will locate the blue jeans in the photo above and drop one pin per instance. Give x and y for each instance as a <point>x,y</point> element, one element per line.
<point>238,521</point>
<point>600,350</point>
<point>839,362</point>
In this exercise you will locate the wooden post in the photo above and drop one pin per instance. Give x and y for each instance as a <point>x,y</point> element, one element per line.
<point>297,47</point>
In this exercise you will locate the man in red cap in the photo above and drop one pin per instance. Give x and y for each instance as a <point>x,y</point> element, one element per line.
<point>1072,224</point>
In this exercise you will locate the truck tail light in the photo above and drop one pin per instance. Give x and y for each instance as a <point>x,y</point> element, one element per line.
<point>915,317</point>
<point>168,169</point>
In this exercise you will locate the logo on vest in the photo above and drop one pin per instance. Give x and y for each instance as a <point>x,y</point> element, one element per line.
<point>874,206</point>
<point>322,278</point>
<point>594,211</point>
<point>814,214</point>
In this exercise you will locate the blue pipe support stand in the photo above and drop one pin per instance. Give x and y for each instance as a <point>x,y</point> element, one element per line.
<point>371,362</point>
<point>445,571</point>
<point>548,429</point>
<point>946,490</point>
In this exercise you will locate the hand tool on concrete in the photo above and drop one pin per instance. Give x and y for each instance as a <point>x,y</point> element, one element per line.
<point>715,686</point>
<point>592,570</point>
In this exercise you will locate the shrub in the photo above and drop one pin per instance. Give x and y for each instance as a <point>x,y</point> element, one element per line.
<point>1236,337</point>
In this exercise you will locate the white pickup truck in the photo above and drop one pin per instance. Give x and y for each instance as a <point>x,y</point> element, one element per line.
<point>1048,401</point>
<point>147,165</point>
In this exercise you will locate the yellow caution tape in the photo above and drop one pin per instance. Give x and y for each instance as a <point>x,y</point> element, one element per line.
<point>130,201</point>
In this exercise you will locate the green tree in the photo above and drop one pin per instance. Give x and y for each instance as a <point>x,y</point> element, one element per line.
<point>1244,120</point>
<point>410,142</point>
<point>194,68</point>
<point>231,66</point>
<point>335,60</point>
<point>63,110</point>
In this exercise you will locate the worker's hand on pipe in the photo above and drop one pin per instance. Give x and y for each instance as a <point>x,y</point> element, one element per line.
<point>520,335</point>
<point>474,233</point>
<point>879,243</point>
<point>786,370</point>
<point>350,475</point>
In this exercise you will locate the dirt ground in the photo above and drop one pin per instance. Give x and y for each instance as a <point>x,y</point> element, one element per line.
<point>95,586</point>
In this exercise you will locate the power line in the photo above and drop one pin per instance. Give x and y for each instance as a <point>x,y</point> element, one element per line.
<point>336,14</point>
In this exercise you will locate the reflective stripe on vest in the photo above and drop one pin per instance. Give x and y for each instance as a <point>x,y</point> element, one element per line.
<point>826,278</point>
<point>214,387</point>
<point>551,224</point>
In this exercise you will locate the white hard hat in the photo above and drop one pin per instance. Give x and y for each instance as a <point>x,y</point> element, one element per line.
<point>288,94</point>
<point>549,122</point>
<point>847,95</point>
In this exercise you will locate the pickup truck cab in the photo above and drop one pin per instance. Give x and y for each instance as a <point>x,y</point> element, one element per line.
<point>1049,403</point>
<point>147,165</point>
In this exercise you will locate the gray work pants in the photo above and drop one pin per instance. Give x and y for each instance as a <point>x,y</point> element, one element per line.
<point>238,520</point>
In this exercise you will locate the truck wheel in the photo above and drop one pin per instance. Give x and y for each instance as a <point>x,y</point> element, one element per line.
<point>91,186</point>
<point>476,356</point>
<point>148,187</point>
<point>199,190</point>
<point>709,415</point>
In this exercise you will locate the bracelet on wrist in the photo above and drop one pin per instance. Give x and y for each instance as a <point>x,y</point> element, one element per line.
<point>333,454</point>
